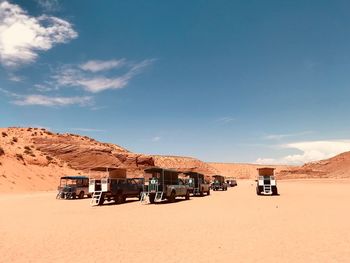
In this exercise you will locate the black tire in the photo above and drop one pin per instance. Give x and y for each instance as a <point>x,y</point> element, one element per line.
<point>208,193</point>
<point>258,191</point>
<point>140,195</point>
<point>151,198</point>
<point>274,190</point>
<point>119,198</point>
<point>89,195</point>
<point>62,195</point>
<point>187,196</point>
<point>201,193</point>
<point>81,195</point>
<point>171,198</point>
<point>74,195</point>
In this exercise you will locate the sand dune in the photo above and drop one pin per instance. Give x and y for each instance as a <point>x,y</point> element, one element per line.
<point>308,222</point>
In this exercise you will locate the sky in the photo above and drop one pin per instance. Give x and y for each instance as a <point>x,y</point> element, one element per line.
<point>223,81</point>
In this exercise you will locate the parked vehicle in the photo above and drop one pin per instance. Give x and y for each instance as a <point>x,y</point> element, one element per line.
<point>231,181</point>
<point>219,183</point>
<point>163,184</point>
<point>197,184</point>
<point>72,187</point>
<point>117,189</point>
<point>114,185</point>
<point>266,182</point>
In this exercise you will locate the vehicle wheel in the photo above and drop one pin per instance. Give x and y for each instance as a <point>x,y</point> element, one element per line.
<point>89,195</point>
<point>208,193</point>
<point>187,197</point>
<point>124,198</point>
<point>81,195</point>
<point>140,195</point>
<point>102,200</point>
<point>258,191</point>
<point>119,198</point>
<point>201,193</point>
<point>62,196</point>
<point>151,198</point>
<point>274,190</point>
<point>74,195</point>
<point>172,197</point>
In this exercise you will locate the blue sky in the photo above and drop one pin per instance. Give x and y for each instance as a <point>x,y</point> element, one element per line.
<point>230,81</point>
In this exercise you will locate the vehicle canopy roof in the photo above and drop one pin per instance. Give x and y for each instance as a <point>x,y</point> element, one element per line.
<point>74,177</point>
<point>266,171</point>
<point>169,176</point>
<point>220,178</point>
<point>156,169</point>
<point>105,168</point>
<point>113,172</point>
<point>230,178</point>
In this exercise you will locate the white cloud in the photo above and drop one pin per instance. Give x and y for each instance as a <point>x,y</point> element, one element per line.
<point>40,100</point>
<point>49,5</point>
<point>22,36</point>
<point>310,151</point>
<point>100,65</point>
<point>34,99</point>
<point>76,77</point>
<point>226,119</point>
<point>15,78</point>
<point>286,135</point>
<point>156,139</point>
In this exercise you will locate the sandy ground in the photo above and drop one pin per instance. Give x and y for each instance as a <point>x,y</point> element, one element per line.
<point>308,222</point>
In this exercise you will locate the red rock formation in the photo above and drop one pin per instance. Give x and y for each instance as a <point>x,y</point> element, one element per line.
<point>335,167</point>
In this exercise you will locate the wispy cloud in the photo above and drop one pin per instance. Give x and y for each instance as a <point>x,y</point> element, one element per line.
<point>30,100</point>
<point>49,5</point>
<point>22,35</point>
<point>15,78</point>
<point>100,65</point>
<point>81,76</point>
<point>156,139</point>
<point>226,119</point>
<point>309,151</point>
<point>50,101</point>
<point>286,135</point>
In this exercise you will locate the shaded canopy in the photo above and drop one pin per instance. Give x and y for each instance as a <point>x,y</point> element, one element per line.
<point>105,169</point>
<point>75,177</point>
<point>266,171</point>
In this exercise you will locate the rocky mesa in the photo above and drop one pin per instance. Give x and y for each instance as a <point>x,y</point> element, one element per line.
<point>33,159</point>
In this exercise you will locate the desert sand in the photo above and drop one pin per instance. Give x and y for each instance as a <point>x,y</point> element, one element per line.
<point>308,222</point>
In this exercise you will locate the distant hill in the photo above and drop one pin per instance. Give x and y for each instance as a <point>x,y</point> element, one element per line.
<point>336,167</point>
<point>243,170</point>
<point>33,159</point>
